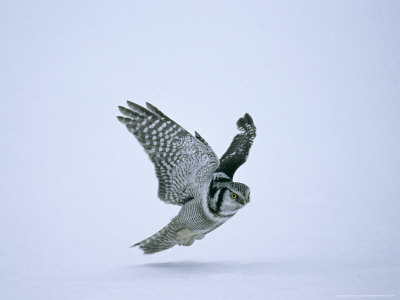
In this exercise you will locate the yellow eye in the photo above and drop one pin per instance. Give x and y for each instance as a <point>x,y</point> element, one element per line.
<point>233,196</point>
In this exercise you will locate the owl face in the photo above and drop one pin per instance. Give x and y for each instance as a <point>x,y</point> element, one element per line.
<point>234,196</point>
<point>239,193</point>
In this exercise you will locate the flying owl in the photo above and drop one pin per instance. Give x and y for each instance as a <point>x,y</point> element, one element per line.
<point>190,174</point>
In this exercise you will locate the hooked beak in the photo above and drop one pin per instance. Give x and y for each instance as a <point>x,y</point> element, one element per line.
<point>243,201</point>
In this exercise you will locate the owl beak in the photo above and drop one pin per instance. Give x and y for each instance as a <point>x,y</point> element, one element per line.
<point>243,201</point>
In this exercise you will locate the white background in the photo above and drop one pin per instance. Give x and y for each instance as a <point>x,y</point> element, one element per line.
<point>321,80</point>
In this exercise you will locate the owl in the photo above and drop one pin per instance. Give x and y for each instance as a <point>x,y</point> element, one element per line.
<point>189,174</point>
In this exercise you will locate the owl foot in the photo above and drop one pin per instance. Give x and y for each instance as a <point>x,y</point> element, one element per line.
<point>185,237</point>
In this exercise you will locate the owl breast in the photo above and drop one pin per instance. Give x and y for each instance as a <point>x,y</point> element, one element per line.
<point>194,217</point>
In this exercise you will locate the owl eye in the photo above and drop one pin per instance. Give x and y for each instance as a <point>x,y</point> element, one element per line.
<point>233,196</point>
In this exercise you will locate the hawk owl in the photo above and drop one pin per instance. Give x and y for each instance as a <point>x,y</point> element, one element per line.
<point>190,174</point>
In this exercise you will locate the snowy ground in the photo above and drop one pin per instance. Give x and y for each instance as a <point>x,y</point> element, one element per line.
<point>267,278</point>
<point>321,80</point>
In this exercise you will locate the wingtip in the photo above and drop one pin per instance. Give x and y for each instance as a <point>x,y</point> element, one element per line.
<point>240,123</point>
<point>138,108</point>
<point>127,112</point>
<point>246,119</point>
<point>134,105</point>
<point>131,104</point>
<point>151,107</point>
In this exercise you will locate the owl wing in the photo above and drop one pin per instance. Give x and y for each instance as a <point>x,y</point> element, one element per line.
<point>184,164</point>
<point>238,151</point>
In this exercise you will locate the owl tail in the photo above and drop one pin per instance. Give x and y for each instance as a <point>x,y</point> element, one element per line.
<point>162,240</point>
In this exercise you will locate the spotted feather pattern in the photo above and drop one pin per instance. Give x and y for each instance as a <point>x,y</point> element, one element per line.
<point>184,164</point>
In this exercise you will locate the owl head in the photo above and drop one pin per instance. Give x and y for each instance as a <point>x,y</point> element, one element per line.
<point>228,197</point>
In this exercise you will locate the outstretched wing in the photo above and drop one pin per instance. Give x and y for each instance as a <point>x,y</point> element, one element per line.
<point>238,151</point>
<point>184,164</point>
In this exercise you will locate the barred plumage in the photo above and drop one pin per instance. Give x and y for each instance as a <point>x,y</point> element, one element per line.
<point>188,174</point>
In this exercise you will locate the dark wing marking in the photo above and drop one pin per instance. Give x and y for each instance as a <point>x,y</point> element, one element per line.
<point>238,151</point>
<point>184,164</point>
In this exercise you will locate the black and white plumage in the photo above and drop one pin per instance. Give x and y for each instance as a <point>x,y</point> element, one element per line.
<point>190,174</point>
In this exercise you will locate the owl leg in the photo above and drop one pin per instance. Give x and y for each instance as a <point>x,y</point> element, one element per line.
<point>185,237</point>
<point>200,236</point>
<point>169,236</point>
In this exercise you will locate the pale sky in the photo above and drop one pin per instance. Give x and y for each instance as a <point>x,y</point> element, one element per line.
<point>321,80</point>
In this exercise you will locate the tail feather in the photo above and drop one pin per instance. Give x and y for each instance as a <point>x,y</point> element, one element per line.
<point>162,240</point>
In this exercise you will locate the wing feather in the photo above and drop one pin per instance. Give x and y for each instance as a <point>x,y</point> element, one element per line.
<point>238,151</point>
<point>184,165</point>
